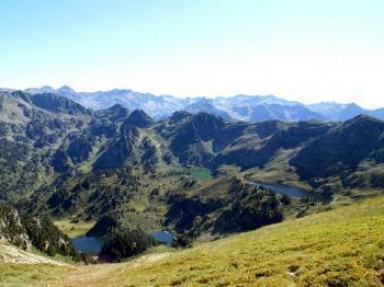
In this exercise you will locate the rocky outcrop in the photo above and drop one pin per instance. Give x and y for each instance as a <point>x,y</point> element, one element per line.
<point>12,229</point>
<point>33,231</point>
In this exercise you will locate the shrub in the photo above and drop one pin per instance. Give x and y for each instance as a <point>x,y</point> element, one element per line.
<point>182,241</point>
<point>126,244</point>
<point>48,238</point>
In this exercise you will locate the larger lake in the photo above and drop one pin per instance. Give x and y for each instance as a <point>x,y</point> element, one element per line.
<point>289,190</point>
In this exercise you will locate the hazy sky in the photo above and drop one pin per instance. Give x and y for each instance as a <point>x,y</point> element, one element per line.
<point>305,50</point>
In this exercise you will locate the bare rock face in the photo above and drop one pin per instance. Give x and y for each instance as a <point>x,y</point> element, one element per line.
<point>47,237</point>
<point>33,231</point>
<point>11,228</point>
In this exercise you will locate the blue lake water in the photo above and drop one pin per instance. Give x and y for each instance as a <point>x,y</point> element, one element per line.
<point>87,244</point>
<point>163,236</point>
<point>289,190</point>
<point>93,245</point>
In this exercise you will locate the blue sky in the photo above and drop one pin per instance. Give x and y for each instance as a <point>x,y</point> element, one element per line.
<point>306,50</point>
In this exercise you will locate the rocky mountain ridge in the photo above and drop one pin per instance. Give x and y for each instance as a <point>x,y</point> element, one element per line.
<point>123,167</point>
<point>251,108</point>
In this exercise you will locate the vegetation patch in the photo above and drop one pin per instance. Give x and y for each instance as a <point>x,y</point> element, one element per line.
<point>341,247</point>
<point>123,245</point>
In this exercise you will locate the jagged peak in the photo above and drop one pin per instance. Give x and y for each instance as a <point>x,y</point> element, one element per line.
<point>56,103</point>
<point>140,113</point>
<point>363,118</point>
<point>205,115</point>
<point>21,95</point>
<point>140,119</point>
<point>203,118</point>
<point>179,116</point>
<point>117,107</point>
<point>353,106</point>
<point>362,121</point>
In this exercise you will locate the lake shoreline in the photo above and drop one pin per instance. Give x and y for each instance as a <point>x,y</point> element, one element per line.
<point>290,191</point>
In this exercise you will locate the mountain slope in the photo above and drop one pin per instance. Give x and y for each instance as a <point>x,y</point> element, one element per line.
<point>339,112</point>
<point>55,103</point>
<point>10,254</point>
<point>330,110</point>
<point>123,165</point>
<point>342,149</point>
<point>29,138</point>
<point>291,113</point>
<point>341,247</point>
<point>350,111</point>
<point>139,119</point>
<point>207,106</point>
<point>28,232</point>
<point>225,205</point>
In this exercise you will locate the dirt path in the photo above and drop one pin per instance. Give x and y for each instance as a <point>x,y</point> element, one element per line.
<point>76,275</point>
<point>102,274</point>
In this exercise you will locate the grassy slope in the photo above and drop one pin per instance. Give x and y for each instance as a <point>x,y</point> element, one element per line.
<point>342,247</point>
<point>73,229</point>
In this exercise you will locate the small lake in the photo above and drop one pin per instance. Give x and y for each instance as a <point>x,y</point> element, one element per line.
<point>289,190</point>
<point>87,244</point>
<point>93,245</point>
<point>163,236</point>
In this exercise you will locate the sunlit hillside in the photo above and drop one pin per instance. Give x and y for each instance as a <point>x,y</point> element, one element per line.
<point>340,247</point>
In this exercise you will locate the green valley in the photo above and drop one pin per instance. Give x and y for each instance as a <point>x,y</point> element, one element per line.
<point>120,175</point>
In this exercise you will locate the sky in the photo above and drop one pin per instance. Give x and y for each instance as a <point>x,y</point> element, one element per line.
<point>303,50</point>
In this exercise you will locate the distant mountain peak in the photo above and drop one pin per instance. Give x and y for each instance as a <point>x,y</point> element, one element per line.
<point>363,118</point>
<point>251,108</point>
<point>139,119</point>
<point>55,103</point>
<point>204,118</point>
<point>66,88</point>
<point>46,87</point>
<point>179,116</point>
<point>117,107</point>
<point>353,106</point>
<point>350,111</point>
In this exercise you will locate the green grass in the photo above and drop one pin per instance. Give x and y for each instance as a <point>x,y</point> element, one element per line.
<point>340,247</point>
<point>197,173</point>
<point>200,173</point>
<point>73,229</point>
<point>343,247</point>
<point>26,274</point>
<point>278,170</point>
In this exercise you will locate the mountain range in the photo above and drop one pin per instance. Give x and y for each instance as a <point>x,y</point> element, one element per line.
<point>198,175</point>
<point>239,107</point>
<point>121,167</point>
